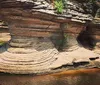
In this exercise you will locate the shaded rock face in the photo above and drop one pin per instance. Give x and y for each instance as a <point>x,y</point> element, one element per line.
<point>91,36</point>
<point>95,35</point>
<point>93,30</point>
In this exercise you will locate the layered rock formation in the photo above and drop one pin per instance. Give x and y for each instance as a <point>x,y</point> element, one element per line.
<point>38,32</point>
<point>4,34</point>
<point>94,28</point>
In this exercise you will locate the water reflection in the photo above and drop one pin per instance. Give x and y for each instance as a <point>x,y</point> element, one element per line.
<point>91,77</point>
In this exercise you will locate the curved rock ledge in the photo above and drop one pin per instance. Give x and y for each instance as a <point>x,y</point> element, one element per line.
<point>43,41</point>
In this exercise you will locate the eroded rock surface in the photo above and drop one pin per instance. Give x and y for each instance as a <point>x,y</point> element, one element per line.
<point>32,25</point>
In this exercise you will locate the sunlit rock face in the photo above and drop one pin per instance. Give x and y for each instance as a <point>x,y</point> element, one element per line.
<point>74,11</point>
<point>35,27</point>
<point>39,18</point>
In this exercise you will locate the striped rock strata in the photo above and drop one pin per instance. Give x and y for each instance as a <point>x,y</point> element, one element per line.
<point>94,28</point>
<point>38,33</point>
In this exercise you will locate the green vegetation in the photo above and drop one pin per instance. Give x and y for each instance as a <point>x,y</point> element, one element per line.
<point>59,5</point>
<point>1,43</point>
<point>66,38</point>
